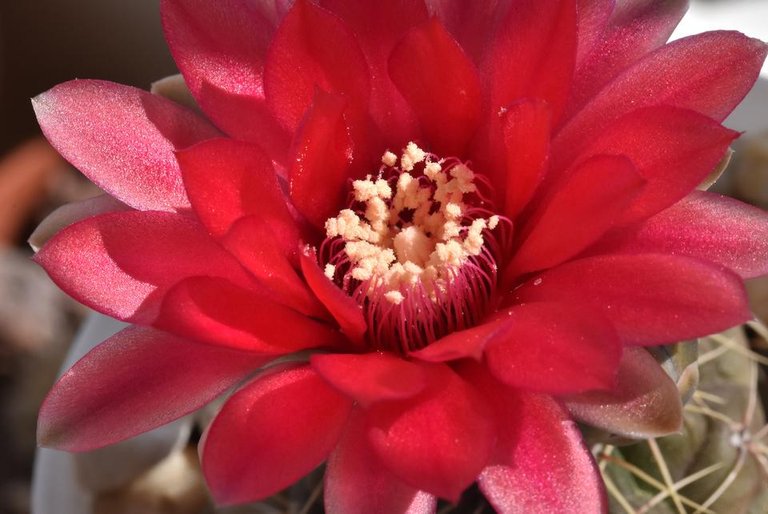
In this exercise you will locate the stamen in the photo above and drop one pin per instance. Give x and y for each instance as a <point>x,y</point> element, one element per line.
<point>415,248</point>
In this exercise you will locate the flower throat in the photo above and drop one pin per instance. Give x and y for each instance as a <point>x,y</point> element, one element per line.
<point>416,248</point>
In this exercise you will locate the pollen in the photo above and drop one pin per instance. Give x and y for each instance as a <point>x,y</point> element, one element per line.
<point>411,229</point>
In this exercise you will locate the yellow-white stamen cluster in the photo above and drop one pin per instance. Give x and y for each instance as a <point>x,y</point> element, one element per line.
<point>412,233</point>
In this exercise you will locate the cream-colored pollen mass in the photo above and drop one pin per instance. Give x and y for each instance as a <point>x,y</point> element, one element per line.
<point>414,231</point>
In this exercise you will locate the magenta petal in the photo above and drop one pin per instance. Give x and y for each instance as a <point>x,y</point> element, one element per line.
<point>370,377</point>
<point>532,54</point>
<point>576,213</point>
<point>541,465</point>
<point>313,49</point>
<point>704,225</point>
<point>321,160</point>
<point>645,402</point>
<point>554,348</point>
<point>218,312</point>
<point>357,483</point>
<point>227,180</point>
<point>438,441</point>
<point>649,298</point>
<point>673,149</point>
<point>709,73</point>
<point>122,138</point>
<point>96,260</point>
<point>344,309</point>
<point>220,47</point>
<point>133,382</point>
<point>270,433</point>
<point>635,28</point>
<point>526,125</point>
<point>441,85</point>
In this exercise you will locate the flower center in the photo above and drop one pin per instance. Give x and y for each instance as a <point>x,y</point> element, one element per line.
<point>417,248</point>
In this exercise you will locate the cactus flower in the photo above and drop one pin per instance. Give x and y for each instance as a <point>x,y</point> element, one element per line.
<point>415,237</point>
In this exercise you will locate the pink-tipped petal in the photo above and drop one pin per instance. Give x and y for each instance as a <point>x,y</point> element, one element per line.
<point>123,139</point>
<point>344,309</point>
<point>322,156</point>
<point>371,377</point>
<point>378,26</point>
<point>706,226</point>
<point>708,73</point>
<point>133,382</point>
<point>635,28</point>
<point>357,483</point>
<point>540,465</point>
<point>441,85</point>
<point>532,54</point>
<point>673,149</point>
<point>650,298</point>
<point>218,312</point>
<point>645,402</point>
<point>438,441</point>
<point>554,348</point>
<point>576,213</point>
<point>270,433</point>
<point>71,213</point>
<point>227,180</point>
<point>526,126</point>
<point>313,49</point>
<point>96,260</point>
<point>220,47</point>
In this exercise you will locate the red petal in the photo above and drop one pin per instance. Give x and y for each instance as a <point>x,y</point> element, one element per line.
<point>583,205</point>
<point>227,180</point>
<point>472,24</point>
<point>644,404</point>
<point>649,298</point>
<point>673,149</point>
<point>526,126</point>
<point>220,47</point>
<point>312,48</point>
<point>592,21</point>
<point>709,73</point>
<point>218,312</point>
<point>636,27</point>
<point>346,311</point>
<point>438,441</point>
<point>356,482</point>
<point>377,27</point>
<point>321,160</point>
<point>541,465</point>
<point>123,139</point>
<point>122,263</point>
<point>554,348</point>
<point>260,250</point>
<point>273,431</point>
<point>133,382</point>
<point>706,226</point>
<point>464,344</point>
<point>532,54</point>
<point>371,377</point>
<point>441,85</point>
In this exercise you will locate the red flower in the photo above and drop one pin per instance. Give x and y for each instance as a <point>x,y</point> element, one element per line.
<point>454,299</point>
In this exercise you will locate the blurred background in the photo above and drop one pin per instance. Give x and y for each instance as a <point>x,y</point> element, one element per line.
<point>45,42</point>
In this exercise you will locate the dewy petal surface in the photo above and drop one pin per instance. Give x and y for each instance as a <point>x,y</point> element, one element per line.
<point>258,445</point>
<point>125,387</point>
<point>357,483</point>
<point>650,298</point>
<point>716,228</point>
<point>96,260</point>
<point>123,139</point>
<point>540,464</point>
